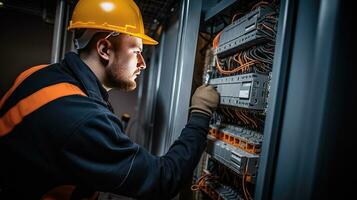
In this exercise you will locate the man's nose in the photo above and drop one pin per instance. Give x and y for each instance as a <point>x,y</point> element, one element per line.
<point>141,62</point>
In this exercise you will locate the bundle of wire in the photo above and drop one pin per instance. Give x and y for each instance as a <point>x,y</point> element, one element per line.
<point>258,59</point>
<point>243,117</point>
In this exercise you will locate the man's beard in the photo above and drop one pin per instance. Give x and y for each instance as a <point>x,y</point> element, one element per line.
<point>118,81</point>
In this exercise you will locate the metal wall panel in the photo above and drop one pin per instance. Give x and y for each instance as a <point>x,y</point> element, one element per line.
<point>143,131</point>
<point>164,89</point>
<point>185,58</point>
<point>167,87</point>
<point>306,97</point>
<point>300,156</point>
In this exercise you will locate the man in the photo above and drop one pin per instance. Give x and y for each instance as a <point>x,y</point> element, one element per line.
<point>57,127</point>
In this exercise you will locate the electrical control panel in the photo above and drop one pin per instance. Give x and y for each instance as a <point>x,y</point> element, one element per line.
<point>238,61</point>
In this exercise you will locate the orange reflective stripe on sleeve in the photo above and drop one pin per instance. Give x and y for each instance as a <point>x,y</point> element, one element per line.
<point>19,80</point>
<point>33,102</point>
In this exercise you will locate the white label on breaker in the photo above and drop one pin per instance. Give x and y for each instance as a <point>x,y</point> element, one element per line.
<point>244,90</point>
<point>244,94</point>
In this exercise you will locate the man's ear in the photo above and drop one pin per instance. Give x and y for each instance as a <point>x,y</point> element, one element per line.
<point>103,47</point>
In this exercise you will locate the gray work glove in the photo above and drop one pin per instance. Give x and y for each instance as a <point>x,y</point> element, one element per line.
<point>205,100</point>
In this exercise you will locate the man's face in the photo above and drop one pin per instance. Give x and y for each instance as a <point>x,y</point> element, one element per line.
<point>125,62</point>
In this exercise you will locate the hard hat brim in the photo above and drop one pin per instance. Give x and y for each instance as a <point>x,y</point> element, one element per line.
<point>147,40</point>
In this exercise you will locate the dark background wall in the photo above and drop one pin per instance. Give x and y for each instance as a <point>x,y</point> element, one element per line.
<point>25,41</point>
<point>124,102</point>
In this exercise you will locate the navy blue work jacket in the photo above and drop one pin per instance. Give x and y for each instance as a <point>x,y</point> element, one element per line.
<point>77,140</point>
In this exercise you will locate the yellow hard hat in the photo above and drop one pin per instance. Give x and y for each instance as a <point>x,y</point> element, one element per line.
<point>121,16</point>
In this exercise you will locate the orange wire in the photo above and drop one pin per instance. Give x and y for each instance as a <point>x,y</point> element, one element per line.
<point>254,124</point>
<point>243,182</point>
<point>196,186</point>
<point>230,114</point>
<point>201,181</point>
<point>259,4</point>
<point>227,72</point>
<point>235,15</point>
<point>216,40</point>
<point>240,117</point>
<point>246,120</point>
<point>245,190</point>
<point>269,28</point>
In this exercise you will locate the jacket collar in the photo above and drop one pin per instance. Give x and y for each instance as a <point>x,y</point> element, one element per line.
<point>87,78</point>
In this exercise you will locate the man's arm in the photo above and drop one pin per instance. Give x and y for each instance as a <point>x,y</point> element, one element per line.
<point>100,156</point>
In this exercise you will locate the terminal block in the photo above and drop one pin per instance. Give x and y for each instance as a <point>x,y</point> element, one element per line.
<point>246,90</point>
<point>219,191</point>
<point>241,162</point>
<point>247,140</point>
<point>243,32</point>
